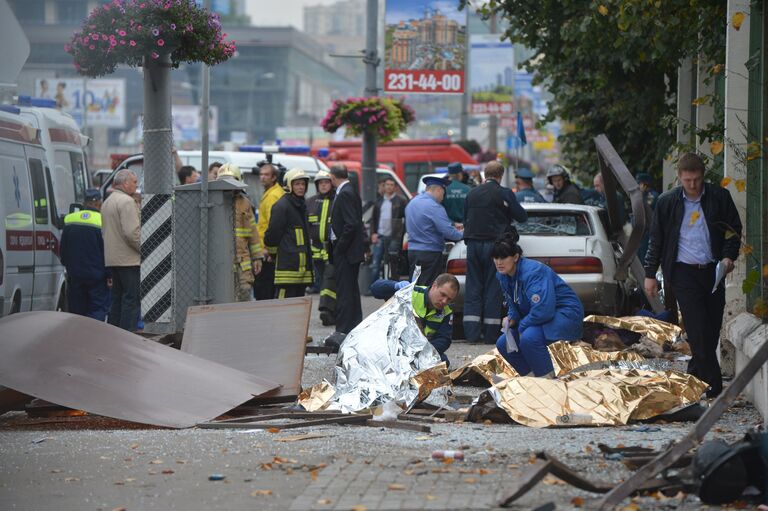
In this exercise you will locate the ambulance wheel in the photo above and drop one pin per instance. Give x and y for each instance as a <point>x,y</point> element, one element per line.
<point>15,304</point>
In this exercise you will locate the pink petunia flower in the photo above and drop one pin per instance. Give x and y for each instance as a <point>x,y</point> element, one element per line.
<point>132,42</point>
<point>122,33</point>
<point>154,55</point>
<point>91,47</point>
<point>160,42</point>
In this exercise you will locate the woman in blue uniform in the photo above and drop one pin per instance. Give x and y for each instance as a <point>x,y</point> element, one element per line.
<point>542,309</point>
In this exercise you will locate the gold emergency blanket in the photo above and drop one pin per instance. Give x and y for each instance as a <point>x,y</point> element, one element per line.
<point>566,357</point>
<point>431,379</point>
<point>594,398</point>
<point>317,397</point>
<point>657,330</point>
<point>490,366</point>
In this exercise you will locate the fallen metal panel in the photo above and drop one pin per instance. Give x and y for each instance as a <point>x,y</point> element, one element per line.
<point>265,338</point>
<point>81,363</point>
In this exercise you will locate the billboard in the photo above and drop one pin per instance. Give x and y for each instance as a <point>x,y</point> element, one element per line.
<point>492,75</point>
<point>103,99</point>
<point>187,124</point>
<point>424,46</point>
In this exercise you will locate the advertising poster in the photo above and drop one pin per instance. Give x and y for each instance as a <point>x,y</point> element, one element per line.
<point>187,123</point>
<point>102,101</point>
<point>424,46</point>
<point>492,75</point>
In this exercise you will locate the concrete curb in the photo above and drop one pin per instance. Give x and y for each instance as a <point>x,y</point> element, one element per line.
<point>748,333</point>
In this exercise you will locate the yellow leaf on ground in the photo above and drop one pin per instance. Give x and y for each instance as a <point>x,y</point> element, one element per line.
<point>260,493</point>
<point>694,216</point>
<point>431,497</point>
<point>359,507</point>
<point>396,487</point>
<point>716,147</point>
<point>737,20</point>
<point>725,182</point>
<point>603,10</point>
<point>324,502</point>
<point>470,480</point>
<point>577,501</point>
<point>273,430</point>
<point>741,184</point>
<point>296,438</point>
<point>313,474</point>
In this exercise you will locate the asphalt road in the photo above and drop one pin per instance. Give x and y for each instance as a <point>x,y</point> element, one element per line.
<point>52,466</point>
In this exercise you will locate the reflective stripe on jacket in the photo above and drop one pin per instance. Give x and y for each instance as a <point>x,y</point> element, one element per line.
<point>287,232</point>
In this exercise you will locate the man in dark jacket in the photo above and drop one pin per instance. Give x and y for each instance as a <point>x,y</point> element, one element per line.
<point>489,211</point>
<point>565,191</point>
<point>289,231</point>
<point>82,254</point>
<point>695,229</point>
<point>347,252</point>
<point>387,225</point>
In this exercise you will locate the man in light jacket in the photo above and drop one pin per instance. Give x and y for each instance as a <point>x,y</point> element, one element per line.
<point>121,227</point>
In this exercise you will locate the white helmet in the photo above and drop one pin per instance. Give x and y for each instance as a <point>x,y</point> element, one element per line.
<point>294,174</point>
<point>230,170</point>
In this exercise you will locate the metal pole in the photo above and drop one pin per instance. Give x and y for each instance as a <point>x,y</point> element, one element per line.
<point>467,92</point>
<point>493,121</point>
<point>158,134</point>
<point>203,297</point>
<point>371,60</point>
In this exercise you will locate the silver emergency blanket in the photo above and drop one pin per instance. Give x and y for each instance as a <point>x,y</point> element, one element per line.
<point>379,359</point>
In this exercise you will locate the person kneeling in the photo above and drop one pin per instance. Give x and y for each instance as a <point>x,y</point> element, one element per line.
<point>542,309</point>
<point>430,306</point>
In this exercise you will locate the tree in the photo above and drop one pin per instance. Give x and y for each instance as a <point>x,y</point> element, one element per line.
<point>611,66</point>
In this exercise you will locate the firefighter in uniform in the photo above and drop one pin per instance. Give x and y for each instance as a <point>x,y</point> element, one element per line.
<point>269,175</point>
<point>319,211</point>
<point>431,306</point>
<point>248,251</point>
<point>82,253</point>
<point>288,231</point>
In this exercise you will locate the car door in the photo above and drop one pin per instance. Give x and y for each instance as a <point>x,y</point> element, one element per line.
<point>45,242</point>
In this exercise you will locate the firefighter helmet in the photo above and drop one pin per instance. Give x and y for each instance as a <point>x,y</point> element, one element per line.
<point>558,170</point>
<point>293,175</point>
<point>230,170</point>
<point>322,174</point>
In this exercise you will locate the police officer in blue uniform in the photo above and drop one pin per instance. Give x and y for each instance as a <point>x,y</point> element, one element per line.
<point>82,254</point>
<point>542,309</point>
<point>431,306</point>
<point>490,210</point>
<point>428,228</point>
<point>525,191</point>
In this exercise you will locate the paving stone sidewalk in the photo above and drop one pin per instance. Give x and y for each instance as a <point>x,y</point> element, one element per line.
<point>397,484</point>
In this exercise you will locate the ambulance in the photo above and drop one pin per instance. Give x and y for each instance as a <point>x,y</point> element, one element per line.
<point>43,177</point>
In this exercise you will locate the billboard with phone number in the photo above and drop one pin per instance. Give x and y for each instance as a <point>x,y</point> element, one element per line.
<point>425,46</point>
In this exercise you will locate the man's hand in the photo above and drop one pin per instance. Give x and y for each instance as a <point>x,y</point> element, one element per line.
<point>728,263</point>
<point>459,226</point>
<point>256,265</point>
<point>109,283</point>
<point>651,287</point>
<point>374,238</point>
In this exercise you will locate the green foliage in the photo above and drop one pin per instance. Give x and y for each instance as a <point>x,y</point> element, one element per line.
<point>611,66</point>
<point>752,280</point>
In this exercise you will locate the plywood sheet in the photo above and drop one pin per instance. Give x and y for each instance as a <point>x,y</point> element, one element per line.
<point>264,338</point>
<point>81,363</point>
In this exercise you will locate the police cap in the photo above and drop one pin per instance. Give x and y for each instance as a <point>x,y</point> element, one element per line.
<point>92,194</point>
<point>433,180</point>
<point>455,168</point>
<point>642,177</point>
<point>524,173</point>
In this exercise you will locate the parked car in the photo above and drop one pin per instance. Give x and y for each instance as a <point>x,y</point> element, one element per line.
<point>573,240</point>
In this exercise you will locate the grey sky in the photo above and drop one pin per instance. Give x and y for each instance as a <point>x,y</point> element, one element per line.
<point>282,13</point>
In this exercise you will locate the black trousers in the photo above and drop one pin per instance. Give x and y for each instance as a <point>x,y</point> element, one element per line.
<point>290,291</point>
<point>126,298</point>
<point>349,310</point>
<point>431,263</point>
<point>702,313</point>
<point>264,285</point>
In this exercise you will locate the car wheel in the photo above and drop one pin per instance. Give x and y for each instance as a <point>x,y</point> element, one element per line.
<point>458,326</point>
<point>15,304</point>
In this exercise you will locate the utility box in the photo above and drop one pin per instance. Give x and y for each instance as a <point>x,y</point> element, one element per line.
<point>219,243</point>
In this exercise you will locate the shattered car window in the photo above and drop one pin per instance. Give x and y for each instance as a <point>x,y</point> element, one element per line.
<point>556,224</point>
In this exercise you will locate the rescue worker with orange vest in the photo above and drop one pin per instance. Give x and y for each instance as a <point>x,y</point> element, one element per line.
<point>248,250</point>
<point>288,231</point>
<point>82,254</point>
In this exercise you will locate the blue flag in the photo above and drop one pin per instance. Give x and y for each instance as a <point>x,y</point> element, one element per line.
<point>521,130</point>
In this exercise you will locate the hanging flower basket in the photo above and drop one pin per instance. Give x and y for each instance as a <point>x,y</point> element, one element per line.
<point>385,118</point>
<point>128,31</point>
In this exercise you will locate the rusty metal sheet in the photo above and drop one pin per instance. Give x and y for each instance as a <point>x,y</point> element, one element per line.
<point>85,364</point>
<point>265,338</point>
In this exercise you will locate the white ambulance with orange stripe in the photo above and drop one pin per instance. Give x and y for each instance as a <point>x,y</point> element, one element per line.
<point>43,176</point>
